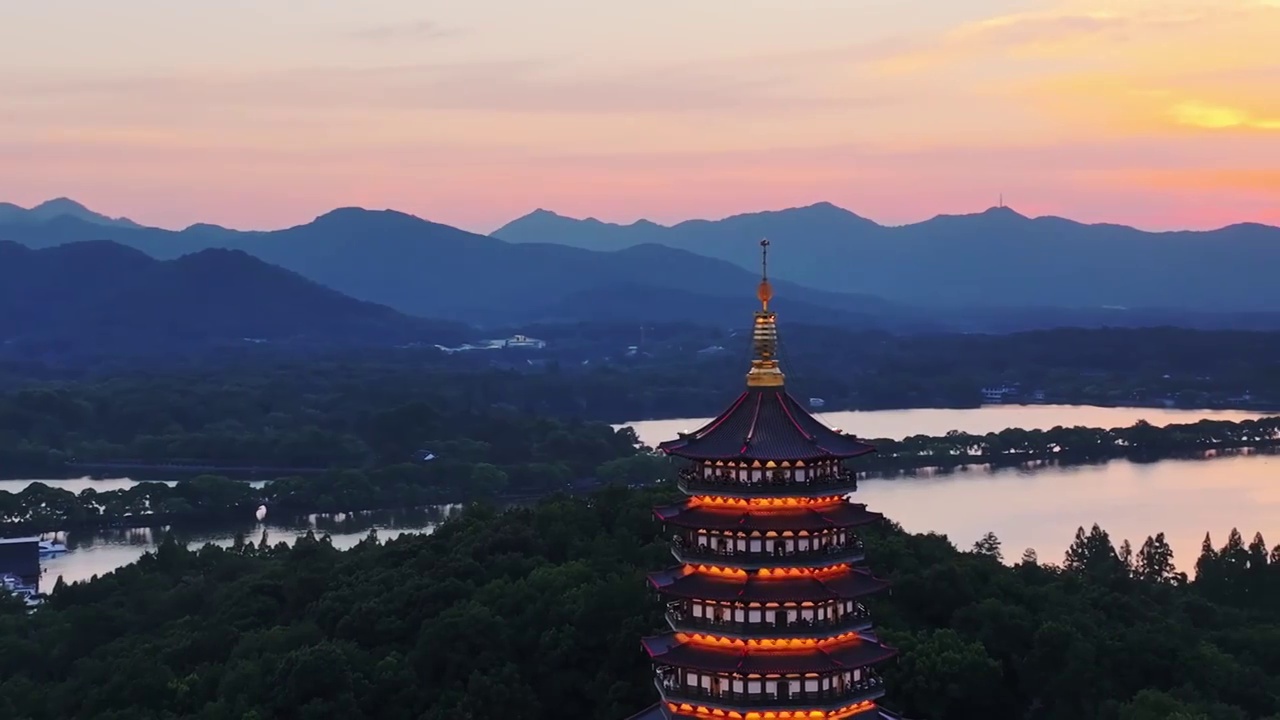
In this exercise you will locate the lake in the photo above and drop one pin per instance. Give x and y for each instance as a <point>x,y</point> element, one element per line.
<point>1041,508</point>
<point>1026,507</point>
<point>76,485</point>
<point>898,424</point>
<point>100,552</point>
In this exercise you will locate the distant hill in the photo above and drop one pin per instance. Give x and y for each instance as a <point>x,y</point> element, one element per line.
<point>997,258</point>
<point>432,270</point>
<point>11,214</point>
<point>992,272</point>
<point>103,296</point>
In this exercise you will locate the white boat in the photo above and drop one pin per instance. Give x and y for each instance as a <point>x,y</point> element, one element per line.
<point>50,547</point>
<point>31,597</point>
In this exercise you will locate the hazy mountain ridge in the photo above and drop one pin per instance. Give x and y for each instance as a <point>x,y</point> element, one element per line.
<point>105,296</point>
<point>437,271</point>
<point>994,258</point>
<point>57,208</point>
<point>432,270</point>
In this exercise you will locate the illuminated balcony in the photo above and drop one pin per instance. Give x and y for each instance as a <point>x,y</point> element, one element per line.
<point>784,694</point>
<point>779,623</point>
<point>696,481</point>
<point>849,552</point>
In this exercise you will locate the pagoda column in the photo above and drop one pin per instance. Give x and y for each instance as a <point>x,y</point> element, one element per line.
<point>765,605</point>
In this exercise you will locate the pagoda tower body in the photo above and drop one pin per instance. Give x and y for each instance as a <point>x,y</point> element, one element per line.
<point>765,607</point>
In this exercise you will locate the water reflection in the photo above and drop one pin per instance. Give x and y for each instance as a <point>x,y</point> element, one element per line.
<point>1041,505</point>
<point>100,552</point>
<point>898,424</point>
<point>1037,505</point>
<point>77,485</point>
<point>1030,466</point>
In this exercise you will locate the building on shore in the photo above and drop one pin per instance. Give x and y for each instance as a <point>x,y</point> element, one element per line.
<point>515,342</point>
<point>765,608</point>
<point>20,557</point>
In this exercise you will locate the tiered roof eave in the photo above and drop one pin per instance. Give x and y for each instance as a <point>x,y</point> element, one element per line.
<point>765,424</point>
<point>765,611</point>
<point>695,515</point>
<point>689,583</point>
<point>855,652</point>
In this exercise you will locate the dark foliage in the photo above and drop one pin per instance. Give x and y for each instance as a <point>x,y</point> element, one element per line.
<point>529,612</point>
<point>588,372</point>
<point>397,451</point>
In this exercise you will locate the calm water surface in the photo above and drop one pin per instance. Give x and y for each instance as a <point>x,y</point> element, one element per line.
<point>76,485</point>
<point>97,553</point>
<point>898,424</point>
<point>1041,508</point>
<point>1038,508</point>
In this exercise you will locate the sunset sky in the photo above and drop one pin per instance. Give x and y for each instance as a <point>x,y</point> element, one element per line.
<point>265,113</point>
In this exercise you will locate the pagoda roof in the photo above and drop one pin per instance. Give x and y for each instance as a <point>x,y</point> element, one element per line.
<point>796,518</point>
<point>684,582</point>
<point>854,653</point>
<point>765,424</point>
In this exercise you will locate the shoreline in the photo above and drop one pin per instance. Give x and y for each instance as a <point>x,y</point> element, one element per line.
<point>887,473</point>
<point>1262,410</point>
<point>177,469</point>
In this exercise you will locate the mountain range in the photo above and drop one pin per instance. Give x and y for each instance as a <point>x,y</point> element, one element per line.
<point>11,214</point>
<point>110,298</point>
<point>995,271</point>
<point>997,258</point>
<point>432,270</point>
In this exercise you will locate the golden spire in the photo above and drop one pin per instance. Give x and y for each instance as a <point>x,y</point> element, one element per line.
<point>764,338</point>
<point>765,290</point>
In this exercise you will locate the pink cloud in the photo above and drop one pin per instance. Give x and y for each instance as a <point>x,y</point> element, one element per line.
<point>1093,182</point>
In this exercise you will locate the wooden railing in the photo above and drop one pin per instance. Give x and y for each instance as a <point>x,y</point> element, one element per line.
<point>849,551</point>
<point>859,618</point>
<point>673,690</point>
<point>692,479</point>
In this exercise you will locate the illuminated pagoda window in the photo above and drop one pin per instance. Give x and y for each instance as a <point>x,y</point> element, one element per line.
<point>765,607</point>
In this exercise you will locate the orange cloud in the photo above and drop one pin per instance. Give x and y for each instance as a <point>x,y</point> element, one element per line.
<point>1060,31</point>
<point>1218,117</point>
<point>1252,181</point>
<point>1128,65</point>
<point>680,123</point>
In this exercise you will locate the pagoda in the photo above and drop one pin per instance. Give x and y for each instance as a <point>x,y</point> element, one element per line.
<point>765,607</point>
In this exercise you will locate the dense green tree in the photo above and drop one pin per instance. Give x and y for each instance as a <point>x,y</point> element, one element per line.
<point>1093,555</point>
<point>944,676</point>
<point>1125,553</point>
<point>1155,705</point>
<point>988,545</point>
<point>639,469</point>
<point>527,612</point>
<point>1155,562</point>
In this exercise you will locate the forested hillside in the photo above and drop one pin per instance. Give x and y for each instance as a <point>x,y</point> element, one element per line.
<point>522,614</point>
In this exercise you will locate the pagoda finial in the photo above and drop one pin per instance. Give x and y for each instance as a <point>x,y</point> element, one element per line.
<point>764,356</point>
<point>765,291</point>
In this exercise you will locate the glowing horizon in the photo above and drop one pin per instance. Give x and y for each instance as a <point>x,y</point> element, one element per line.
<point>1156,114</point>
